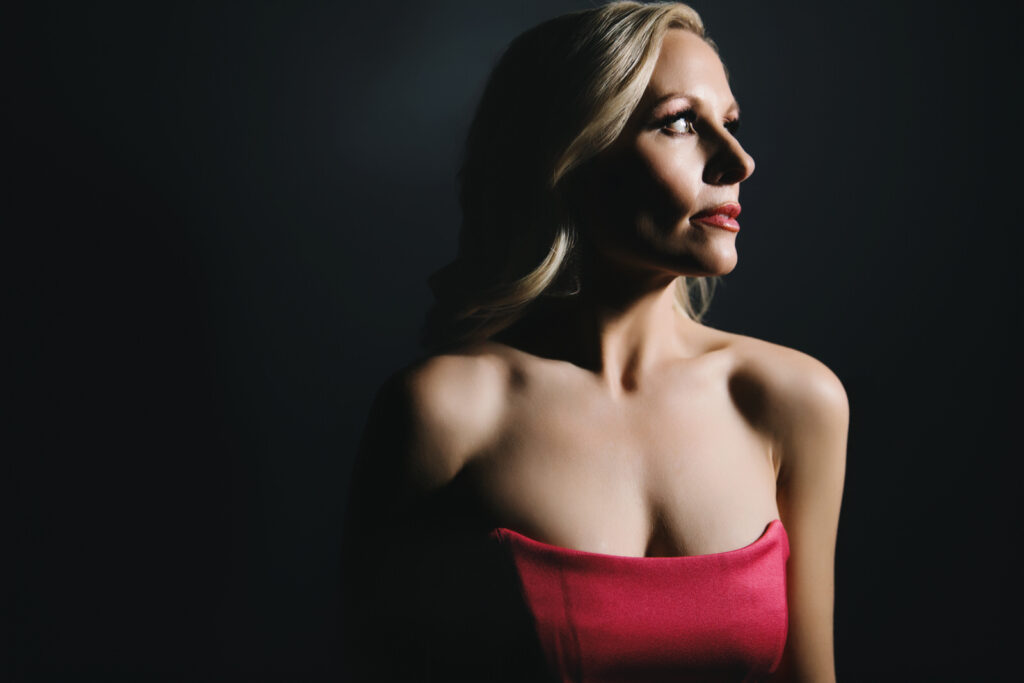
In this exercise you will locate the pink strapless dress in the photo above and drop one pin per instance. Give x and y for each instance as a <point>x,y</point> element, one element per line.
<point>614,619</point>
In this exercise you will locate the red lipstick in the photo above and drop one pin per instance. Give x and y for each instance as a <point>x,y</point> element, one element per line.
<point>722,216</point>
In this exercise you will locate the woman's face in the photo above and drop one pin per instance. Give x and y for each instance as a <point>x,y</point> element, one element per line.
<point>665,194</point>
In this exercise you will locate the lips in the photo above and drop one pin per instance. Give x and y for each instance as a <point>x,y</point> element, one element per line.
<point>722,216</point>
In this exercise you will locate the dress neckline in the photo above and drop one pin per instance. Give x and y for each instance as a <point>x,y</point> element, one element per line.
<point>773,529</point>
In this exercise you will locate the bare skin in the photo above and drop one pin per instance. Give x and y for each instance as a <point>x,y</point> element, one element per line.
<point>609,422</point>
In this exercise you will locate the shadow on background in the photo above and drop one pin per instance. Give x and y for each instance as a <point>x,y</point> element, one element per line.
<point>230,215</point>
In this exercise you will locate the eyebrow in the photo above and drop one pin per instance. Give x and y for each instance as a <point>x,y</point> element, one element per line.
<point>733,108</point>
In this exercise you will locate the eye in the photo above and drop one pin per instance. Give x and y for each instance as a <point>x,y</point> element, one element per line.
<point>680,123</point>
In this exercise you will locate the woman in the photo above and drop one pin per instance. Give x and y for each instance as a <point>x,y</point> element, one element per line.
<point>582,482</point>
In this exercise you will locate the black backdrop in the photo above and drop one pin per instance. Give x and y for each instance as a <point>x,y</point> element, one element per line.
<point>220,221</point>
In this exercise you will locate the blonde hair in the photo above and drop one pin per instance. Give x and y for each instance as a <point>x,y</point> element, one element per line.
<point>561,93</point>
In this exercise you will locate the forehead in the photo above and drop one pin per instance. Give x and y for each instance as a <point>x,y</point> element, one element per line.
<point>686,64</point>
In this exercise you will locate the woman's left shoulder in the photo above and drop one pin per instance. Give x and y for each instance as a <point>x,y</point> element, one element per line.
<point>796,388</point>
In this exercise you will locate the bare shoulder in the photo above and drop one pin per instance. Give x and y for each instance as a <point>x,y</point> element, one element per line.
<point>796,381</point>
<point>443,409</point>
<point>788,393</point>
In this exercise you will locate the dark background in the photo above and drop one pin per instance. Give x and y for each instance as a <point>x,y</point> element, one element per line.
<point>220,221</point>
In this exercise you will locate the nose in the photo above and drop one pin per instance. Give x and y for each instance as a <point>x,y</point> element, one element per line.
<point>729,164</point>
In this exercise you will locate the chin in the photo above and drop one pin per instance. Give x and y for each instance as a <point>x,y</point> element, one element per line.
<point>726,265</point>
<point>710,264</point>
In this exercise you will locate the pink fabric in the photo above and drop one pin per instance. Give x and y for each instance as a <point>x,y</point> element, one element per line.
<point>614,619</point>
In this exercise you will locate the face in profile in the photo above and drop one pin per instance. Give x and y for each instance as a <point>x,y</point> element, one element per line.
<point>664,195</point>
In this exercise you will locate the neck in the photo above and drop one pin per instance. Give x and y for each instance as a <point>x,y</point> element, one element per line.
<point>622,326</point>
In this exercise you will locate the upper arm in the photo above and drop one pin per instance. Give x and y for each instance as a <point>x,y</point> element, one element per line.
<point>811,444</point>
<point>424,424</point>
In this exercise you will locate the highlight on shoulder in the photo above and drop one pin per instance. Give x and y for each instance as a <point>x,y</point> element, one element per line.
<point>453,404</point>
<point>782,390</point>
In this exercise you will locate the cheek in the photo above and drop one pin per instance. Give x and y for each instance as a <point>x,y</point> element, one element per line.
<point>671,182</point>
<point>647,190</point>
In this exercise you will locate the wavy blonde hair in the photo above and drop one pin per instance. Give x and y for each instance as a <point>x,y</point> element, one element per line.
<point>561,93</point>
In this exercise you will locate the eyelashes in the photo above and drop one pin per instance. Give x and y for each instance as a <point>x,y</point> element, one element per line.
<point>679,123</point>
<point>682,123</point>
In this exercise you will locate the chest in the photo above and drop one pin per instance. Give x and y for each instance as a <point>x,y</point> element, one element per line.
<point>675,470</point>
